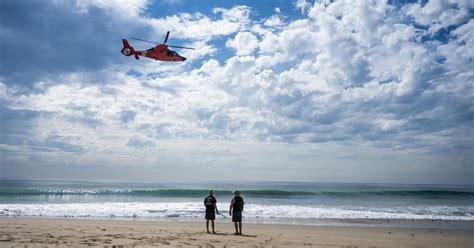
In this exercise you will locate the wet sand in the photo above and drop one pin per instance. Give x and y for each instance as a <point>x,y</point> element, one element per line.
<point>42,232</point>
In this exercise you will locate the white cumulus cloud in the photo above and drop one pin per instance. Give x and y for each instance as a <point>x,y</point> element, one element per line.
<point>244,43</point>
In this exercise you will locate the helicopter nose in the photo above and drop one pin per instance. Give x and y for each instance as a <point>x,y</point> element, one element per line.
<point>184,59</point>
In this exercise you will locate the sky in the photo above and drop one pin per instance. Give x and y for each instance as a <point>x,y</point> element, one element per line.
<point>277,90</point>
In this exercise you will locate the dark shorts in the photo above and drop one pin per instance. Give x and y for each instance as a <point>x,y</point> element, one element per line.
<point>210,215</point>
<point>237,216</point>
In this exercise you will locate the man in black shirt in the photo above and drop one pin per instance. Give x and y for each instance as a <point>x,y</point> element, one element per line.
<point>235,210</point>
<point>211,209</point>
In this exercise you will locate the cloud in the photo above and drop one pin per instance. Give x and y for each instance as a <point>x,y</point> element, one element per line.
<point>62,143</point>
<point>274,21</point>
<point>441,14</point>
<point>139,142</point>
<point>302,5</point>
<point>202,28</point>
<point>127,116</point>
<point>126,8</point>
<point>244,43</point>
<point>16,125</point>
<point>83,36</point>
<point>458,51</point>
<point>347,83</point>
<point>40,39</point>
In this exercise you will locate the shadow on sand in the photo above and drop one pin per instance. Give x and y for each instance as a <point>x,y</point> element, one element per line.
<point>232,234</point>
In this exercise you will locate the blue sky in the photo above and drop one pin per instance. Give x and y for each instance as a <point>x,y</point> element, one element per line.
<point>332,91</point>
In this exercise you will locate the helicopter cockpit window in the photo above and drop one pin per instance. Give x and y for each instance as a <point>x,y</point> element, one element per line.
<point>172,54</point>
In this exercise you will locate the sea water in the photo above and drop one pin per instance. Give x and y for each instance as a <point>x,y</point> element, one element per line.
<point>275,201</point>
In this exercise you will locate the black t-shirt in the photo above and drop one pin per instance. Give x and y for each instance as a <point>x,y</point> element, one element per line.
<point>238,204</point>
<point>209,203</point>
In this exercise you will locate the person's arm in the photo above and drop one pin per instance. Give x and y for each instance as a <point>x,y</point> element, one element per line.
<point>215,207</point>
<point>231,205</point>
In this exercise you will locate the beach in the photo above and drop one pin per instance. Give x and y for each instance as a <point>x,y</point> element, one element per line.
<point>276,214</point>
<point>55,232</point>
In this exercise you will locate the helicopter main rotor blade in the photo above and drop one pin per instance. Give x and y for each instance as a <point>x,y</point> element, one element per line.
<point>152,42</point>
<point>166,38</point>
<point>182,47</point>
<point>144,40</point>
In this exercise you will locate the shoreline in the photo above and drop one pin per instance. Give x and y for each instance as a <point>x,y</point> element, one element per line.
<point>327,222</point>
<point>20,231</point>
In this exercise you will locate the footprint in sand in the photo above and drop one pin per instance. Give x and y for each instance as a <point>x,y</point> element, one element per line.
<point>206,245</point>
<point>6,239</point>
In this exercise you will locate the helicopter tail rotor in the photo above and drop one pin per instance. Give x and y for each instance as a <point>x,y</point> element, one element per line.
<point>128,50</point>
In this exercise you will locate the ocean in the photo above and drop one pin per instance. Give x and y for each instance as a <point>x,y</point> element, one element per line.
<point>273,202</point>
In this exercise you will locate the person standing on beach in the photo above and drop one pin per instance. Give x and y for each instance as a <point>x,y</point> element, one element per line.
<point>235,210</point>
<point>210,203</point>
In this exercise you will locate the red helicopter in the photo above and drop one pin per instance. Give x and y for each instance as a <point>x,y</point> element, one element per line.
<point>158,52</point>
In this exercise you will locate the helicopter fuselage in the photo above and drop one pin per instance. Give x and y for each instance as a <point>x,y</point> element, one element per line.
<point>159,52</point>
<point>163,53</point>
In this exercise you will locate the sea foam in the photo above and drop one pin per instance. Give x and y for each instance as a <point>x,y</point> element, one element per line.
<point>196,210</point>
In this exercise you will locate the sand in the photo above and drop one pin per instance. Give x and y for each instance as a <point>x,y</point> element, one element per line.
<point>42,232</point>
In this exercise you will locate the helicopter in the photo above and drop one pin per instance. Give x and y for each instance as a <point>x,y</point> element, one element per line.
<point>159,52</point>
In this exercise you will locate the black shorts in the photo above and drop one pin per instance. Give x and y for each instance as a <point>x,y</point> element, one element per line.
<point>236,216</point>
<point>210,215</point>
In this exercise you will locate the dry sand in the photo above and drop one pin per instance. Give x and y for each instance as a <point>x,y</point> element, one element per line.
<point>38,232</point>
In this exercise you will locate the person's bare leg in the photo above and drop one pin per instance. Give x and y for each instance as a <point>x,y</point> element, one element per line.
<point>236,230</point>
<point>212,224</point>
<point>240,228</point>
<point>207,226</point>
